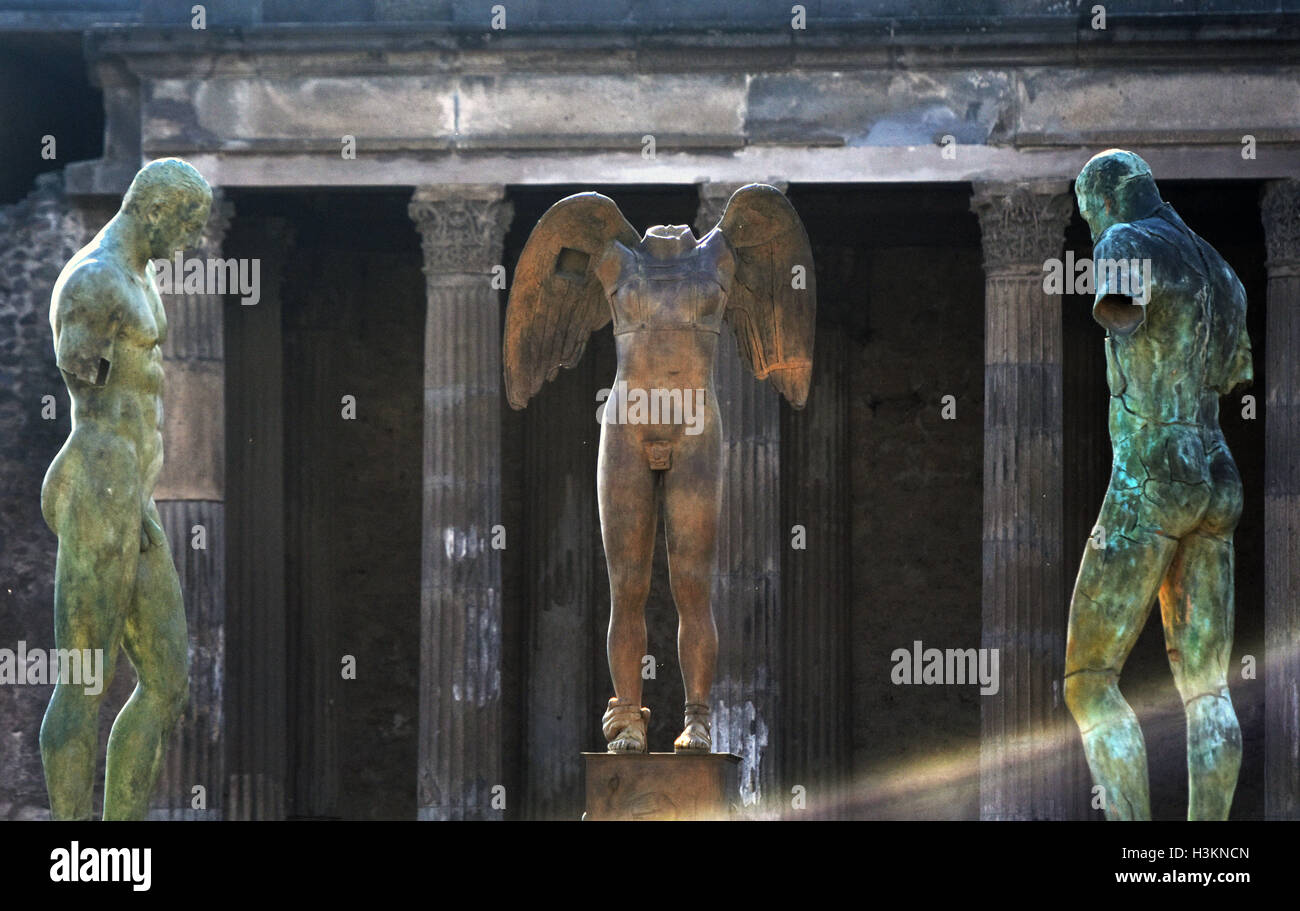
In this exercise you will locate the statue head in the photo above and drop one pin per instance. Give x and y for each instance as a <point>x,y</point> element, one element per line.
<point>170,201</point>
<point>1115,187</point>
<point>668,240</point>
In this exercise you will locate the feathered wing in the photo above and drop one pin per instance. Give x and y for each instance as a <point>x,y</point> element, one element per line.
<point>556,300</point>
<point>772,305</point>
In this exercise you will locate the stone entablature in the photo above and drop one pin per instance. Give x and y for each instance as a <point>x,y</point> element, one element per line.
<point>262,109</point>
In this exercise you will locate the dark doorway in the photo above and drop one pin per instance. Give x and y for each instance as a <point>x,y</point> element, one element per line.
<point>325,435</point>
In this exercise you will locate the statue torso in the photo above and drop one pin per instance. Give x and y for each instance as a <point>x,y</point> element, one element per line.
<point>122,308</point>
<point>1190,346</point>
<point>667,311</point>
<point>683,292</point>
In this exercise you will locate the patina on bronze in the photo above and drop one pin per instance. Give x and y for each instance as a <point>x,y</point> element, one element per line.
<point>115,584</point>
<point>668,295</point>
<point>1176,341</point>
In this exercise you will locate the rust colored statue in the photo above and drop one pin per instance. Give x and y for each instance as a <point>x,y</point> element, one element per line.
<point>661,434</point>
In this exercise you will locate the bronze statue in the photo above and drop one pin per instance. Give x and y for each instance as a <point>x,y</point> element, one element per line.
<point>1175,315</point>
<point>115,583</point>
<point>661,434</point>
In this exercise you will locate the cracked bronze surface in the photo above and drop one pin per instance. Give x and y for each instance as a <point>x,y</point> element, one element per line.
<point>1166,525</point>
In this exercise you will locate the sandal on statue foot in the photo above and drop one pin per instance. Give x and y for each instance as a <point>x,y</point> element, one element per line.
<point>696,737</point>
<point>624,725</point>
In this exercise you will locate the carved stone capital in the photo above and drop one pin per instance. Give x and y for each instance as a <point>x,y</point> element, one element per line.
<point>1279,210</point>
<point>1022,224</point>
<point>214,232</point>
<point>462,227</point>
<point>713,201</point>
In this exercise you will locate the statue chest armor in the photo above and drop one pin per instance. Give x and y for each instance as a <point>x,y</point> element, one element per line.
<point>686,292</point>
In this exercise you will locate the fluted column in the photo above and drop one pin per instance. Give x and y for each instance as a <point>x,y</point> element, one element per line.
<point>462,229</point>
<point>747,577</point>
<point>1280,211</point>
<point>1024,754</point>
<point>191,501</point>
<point>561,522</point>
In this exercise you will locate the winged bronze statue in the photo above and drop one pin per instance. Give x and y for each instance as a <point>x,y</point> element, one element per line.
<point>661,437</point>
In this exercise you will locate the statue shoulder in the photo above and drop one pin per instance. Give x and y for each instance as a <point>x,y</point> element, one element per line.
<point>1125,240</point>
<point>87,310</point>
<point>612,267</point>
<point>89,282</point>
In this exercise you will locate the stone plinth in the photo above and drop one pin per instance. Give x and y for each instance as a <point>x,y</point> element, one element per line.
<point>661,786</point>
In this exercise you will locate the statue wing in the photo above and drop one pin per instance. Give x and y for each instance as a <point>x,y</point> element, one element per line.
<point>770,307</point>
<point>557,300</point>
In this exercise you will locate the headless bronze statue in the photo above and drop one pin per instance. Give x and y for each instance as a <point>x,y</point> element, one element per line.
<point>115,585</point>
<point>668,295</point>
<point>1176,341</point>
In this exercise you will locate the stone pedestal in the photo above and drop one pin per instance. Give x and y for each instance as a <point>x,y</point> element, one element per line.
<point>661,786</point>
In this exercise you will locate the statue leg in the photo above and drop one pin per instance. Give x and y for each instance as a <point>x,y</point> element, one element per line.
<point>1196,606</point>
<point>692,503</point>
<point>1113,596</point>
<point>157,643</point>
<point>627,496</point>
<point>93,508</point>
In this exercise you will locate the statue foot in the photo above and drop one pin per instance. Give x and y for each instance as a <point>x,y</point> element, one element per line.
<point>696,736</point>
<point>624,725</point>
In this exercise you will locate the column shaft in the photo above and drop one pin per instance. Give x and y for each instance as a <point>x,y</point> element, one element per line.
<point>1024,766</point>
<point>561,522</point>
<point>191,501</point>
<point>746,581</point>
<point>462,230</point>
<point>1281,216</point>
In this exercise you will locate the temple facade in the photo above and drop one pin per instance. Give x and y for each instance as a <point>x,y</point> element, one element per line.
<point>395,584</point>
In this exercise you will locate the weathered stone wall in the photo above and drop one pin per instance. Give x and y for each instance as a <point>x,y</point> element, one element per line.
<point>353,324</point>
<point>916,534</point>
<point>900,282</point>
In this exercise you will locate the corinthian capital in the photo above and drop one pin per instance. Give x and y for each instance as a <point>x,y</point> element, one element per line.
<point>219,218</point>
<point>1279,210</point>
<point>462,226</point>
<point>1021,224</point>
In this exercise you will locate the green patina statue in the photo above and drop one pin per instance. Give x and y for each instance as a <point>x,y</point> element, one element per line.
<point>115,583</point>
<point>1176,341</point>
